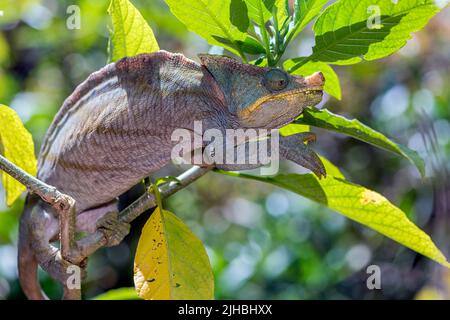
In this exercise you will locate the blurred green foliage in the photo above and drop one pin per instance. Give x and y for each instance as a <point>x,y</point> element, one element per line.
<point>263,242</point>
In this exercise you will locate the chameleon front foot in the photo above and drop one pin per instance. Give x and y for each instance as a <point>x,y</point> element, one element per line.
<point>113,229</point>
<point>294,149</point>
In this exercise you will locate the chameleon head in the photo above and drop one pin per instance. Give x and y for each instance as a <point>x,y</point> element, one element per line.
<point>263,97</point>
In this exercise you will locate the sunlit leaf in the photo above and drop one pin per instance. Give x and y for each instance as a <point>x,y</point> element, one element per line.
<point>260,11</point>
<point>171,262</point>
<point>354,128</point>
<point>16,144</point>
<point>359,204</point>
<point>282,10</point>
<point>304,12</point>
<point>249,45</point>
<point>131,35</point>
<point>351,30</point>
<point>331,169</point>
<point>293,128</point>
<point>210,19</point>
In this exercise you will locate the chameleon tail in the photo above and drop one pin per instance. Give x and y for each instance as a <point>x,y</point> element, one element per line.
<point>28,264</point>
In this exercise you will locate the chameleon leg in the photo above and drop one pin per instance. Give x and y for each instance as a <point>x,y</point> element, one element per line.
<point>49,257</point>
<point>67,225</point>
<point>104,227</point>
<point>42,227</point>
<point>113,229</point>
<point>104,219</point>
<point>222,161</point>
<point>292,148</point>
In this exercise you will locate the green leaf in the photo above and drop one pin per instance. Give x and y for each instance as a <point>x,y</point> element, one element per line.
<point>282,10</point>
<point>304,12</point>
<point>131,35</point>
<point>210,19</point>
<point>347,31</point>
<point>331,169</point>
<point>260,11</point>
<point>293,128</point>
<point>239,15</point>
<point>171,262</point>
<point>252,46</point>
<point>249,45</point>
<point>354,128</point>
<point>118,294</point>
<point>359,204</point>
<point>16,144</point>
<point>332,85</point>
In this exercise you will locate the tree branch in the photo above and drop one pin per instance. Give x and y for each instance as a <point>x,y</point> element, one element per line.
<point>79,251</point>
<point>64,206</point>
<point>147,200</point>
<point>47,192</point>
<point>91,243</point>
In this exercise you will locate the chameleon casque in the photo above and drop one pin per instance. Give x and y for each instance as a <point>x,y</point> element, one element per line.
<point>115,129</point>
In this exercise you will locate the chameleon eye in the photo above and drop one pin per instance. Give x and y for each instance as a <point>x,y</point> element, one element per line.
<point>276,80</point>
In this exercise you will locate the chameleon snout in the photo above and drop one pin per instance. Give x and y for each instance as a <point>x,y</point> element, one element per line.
<point>315,80</point>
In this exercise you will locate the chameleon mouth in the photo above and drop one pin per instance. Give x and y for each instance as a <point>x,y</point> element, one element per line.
<point>315,91</point>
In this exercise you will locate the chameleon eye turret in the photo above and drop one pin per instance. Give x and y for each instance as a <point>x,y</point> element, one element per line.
<point>276,80</point>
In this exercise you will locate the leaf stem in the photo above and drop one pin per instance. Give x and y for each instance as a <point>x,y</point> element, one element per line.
<point>276,35</point>
<point>155,190</point>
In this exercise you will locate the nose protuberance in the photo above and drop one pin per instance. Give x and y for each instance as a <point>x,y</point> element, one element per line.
<point>316,79</point>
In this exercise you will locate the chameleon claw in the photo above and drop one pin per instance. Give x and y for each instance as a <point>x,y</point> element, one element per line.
<point>310,160</point>
<point>294,149</point>
<point>113,229</point>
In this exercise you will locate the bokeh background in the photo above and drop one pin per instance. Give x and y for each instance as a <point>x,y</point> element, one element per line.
<point>263,242</point>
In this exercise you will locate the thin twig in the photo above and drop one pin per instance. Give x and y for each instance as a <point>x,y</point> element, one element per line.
<point>92,242</point>
<point>147,200</point>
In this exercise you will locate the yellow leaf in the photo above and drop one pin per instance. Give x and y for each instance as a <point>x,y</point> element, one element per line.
<point>171,262</point>
<point>16,144</point>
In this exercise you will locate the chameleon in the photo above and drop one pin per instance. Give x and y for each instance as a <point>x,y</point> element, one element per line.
<point>115,129</point>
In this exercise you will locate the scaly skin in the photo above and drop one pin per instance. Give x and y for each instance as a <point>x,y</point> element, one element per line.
<point>115,129</point>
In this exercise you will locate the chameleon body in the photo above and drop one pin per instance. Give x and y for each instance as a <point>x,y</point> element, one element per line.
<point>115,129</point>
